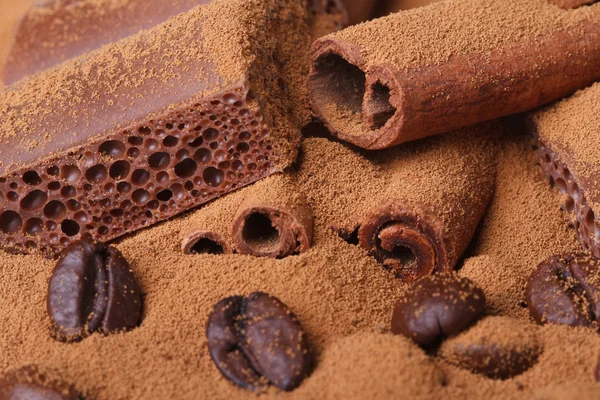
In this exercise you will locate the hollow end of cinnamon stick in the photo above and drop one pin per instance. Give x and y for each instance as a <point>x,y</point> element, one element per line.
<point>410,246</point>
<point>359,107</point>
<point>205,242</point>
<point>272,231</point>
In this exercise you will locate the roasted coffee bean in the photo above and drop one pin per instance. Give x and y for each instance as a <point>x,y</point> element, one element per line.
<point>92,289</point>
<point>30,384</point>
<point>257,340</point>
<point>436,307</point>
<point>496,347</point>
<point>565,290</point>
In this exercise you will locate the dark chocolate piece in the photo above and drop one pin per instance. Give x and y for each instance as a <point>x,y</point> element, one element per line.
<point>123,138</point>
<point>92,289</point>
<point>437,306</point>
<point>54,31</point>
<point>30,384</point>
<point>256,340</point>
<point>565,290</point>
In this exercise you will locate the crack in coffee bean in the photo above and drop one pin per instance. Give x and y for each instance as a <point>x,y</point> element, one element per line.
<point>92,289</point>
<point>437,306</point>
<point>30,384</point>
<point>257,340</point>
<point>565,290</point>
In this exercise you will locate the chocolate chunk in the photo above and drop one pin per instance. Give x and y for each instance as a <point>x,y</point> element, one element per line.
<point>565,290</point>
<point>92,289</point>
<point>160,137</point>
<point>436,307</point>
<point>30,384</point>
<point>257,340</point>
<point>496,347</point>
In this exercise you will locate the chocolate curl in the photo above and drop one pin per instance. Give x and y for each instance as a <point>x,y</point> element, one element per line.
<point>205,242</point>
<point>54,31</point>
<point>276,223</point>
<point>434,203</point>
<point>404,241</point>
<point>394,79</point>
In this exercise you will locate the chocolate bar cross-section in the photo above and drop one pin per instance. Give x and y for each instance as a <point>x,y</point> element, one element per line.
<point>152,125</point>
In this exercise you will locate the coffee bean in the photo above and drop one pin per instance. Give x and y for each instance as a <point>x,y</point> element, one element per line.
<point>496,347</point>
<point>92,289</point>
<point>30,384</point>
<point>257,340</point>
<point>565,290</point>
<point>436,307</point>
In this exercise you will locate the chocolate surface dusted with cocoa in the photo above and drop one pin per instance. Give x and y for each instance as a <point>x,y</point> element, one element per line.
<point>144,136</point>
<point>568,134</point>
<point>342,296</point>
<point>395,79</point>
<point>54,31</point>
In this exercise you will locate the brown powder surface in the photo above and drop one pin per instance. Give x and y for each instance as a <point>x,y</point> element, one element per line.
<point>571,129</point>
<point>342,296</point>
<point>434,34</point>
<point>524,225</point>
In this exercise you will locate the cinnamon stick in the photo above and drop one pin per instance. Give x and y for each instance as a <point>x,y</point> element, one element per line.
<point>415,208</point>
<point>274,223</point>
<point>569,146</point>
<point>395,79</point>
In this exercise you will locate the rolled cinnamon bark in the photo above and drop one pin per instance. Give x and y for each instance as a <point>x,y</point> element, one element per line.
<point>414,208</point>
<point>394,79</point>
<point>568,134</point>
<point>54,31</point>
<point>274,223</point>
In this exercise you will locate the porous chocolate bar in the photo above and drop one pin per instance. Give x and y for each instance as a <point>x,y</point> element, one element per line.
<point>54,31</point>
<point>569,145</point>
<point>152,125</point>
